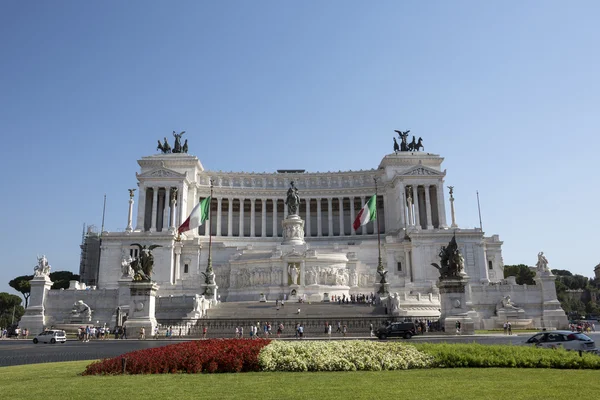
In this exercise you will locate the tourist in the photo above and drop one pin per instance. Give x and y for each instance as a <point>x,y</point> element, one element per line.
<point>204,330</point>
<point>142,333</point>
<point>339,327</point>
<point>298,311</point>
<point>458,327</point>
<point>279,330</point>
<point>345,329</point>
<point>509,328</point>
<point>329,331</point>
<point>156,332</point>
<point>241,332</point>
<point>297,330</point>
<point>371,330</point>
<point>237,332</point>
<point>300,331</point>
<point>505,327</point>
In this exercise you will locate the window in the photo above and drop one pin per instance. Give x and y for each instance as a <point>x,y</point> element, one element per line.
<point>399,267</point>
<point>185,268</point>
<point>490,265</point>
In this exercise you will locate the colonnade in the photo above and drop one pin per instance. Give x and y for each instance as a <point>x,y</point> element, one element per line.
<point>423,205</point>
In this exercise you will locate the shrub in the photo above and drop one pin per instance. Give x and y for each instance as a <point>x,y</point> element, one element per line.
<point>351,355</point>
<point>502,356</point>
<point>215,355</point>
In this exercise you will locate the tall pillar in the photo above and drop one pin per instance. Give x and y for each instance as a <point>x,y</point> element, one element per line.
<point>130,213</point>
<point>307,217</point>
<point>364,227</point>
<point>441,205</point>
<point>329,217</point>
<point>416,203</point>
<point>230,216</point>
<point>241,217</point>
<point>428,207</point>
<point>319,222</point>
<point>408,263</point>
<point>274,200</point>
<point>352,216</point>
<point>154,209</point>
<point>139,225</point>
<point>341,201</point>
<point>173,201</point>
<point>252,217</point>
<point>177,249</point>
<point>409,207</point>
<point>401,206</point>
<point>219,210</point>
<point>263,225</point>
<point>165,224</point>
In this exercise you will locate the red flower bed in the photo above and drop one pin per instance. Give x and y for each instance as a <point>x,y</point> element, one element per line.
<point>214,355</point>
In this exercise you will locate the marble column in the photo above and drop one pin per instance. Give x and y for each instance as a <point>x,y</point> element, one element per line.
<point>364,227</point>
<point>154,209</point>
<point>141,209</point>
<point>177,249</point>
<point>230,216</point>
<point>274,217</point>
<point>307,234</point>
<point>130,214</point>
<point>329,217</point>
<point>241,217</point>
<point>409,208</point>
<point>319,222</point>
<point>441,205</point>
<point>165,222</point>
<point>263,225</point>
<point>408,265</point>
<point>416,204</point>
<point>428,210</point>
<point>401,207</point>
<point>352,216</point>
<point>173,202</point>
<point>252,217</point>
<point>219,210</point>
<point>341,201</point>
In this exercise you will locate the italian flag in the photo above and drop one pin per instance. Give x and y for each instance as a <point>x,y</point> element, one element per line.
<point>367,213</point>
<point>199,214</point>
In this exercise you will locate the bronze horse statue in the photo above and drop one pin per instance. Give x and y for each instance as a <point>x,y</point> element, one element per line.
<point>416,145</point>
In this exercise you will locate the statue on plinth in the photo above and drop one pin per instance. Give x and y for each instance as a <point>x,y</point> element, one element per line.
<point>43,268</point>
<point>293,199</point>
<point>294,273</point>
<point>542,264</point>
<point>126,268</point>
<point>403,139</point>
<point>143,264</point>
<point>452,261</point>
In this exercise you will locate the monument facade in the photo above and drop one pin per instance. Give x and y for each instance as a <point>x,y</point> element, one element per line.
<point>289,234</point>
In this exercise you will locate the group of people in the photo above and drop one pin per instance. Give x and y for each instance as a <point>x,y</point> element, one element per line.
<point>507,327</point>
<point>354,299</point>
<point>16,333</point>
<point>582,326</point>
<point>87,333</point>
<point>254,331</point>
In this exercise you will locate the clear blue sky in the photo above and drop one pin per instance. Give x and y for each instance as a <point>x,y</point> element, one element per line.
<point>508,93</point>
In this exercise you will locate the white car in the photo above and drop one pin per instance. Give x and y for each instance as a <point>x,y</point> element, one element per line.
<point>567,340</point>
<point>52,336</point>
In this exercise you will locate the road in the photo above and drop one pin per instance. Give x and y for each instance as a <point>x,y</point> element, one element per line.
<point>18,352</point>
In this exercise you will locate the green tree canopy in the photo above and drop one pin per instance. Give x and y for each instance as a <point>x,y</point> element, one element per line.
<point>561,272</point>
<point>61,279</point>
<point>522,272</point>
<point>10,305</point>
<point>21,284</point>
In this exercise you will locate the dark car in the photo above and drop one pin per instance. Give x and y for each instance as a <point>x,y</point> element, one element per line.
<point>397,329</point>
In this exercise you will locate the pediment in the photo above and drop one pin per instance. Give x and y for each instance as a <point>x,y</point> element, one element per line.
<point>421,170</point>
<point>161,173</point>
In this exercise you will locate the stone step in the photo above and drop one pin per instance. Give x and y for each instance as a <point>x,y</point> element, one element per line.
<point>289,310</point>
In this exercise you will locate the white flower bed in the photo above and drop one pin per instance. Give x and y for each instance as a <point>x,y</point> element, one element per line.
<point>347,355</point>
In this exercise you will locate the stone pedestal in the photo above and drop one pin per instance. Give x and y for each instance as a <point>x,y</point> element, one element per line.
<point>293,230</point>
<point>142,306</point>
<point>453,301</point>
<point>553,316</point>
<point>210,292</point>
<point>34,318</point>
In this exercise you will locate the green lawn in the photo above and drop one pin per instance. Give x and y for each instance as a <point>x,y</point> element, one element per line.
<point>61,381</point>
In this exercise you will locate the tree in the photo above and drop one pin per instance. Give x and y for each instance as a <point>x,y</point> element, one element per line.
<point>10,305</point>
<point>61,279</point>
<point>523,273</point>
<point>21,284</point>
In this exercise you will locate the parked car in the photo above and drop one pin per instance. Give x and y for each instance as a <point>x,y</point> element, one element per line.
<point>397,329</point>
<point>568,340</point>
<point>51,336</point>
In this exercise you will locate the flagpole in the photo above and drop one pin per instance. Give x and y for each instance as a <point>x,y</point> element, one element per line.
<point>209,266</point>
<point>379,263</point>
